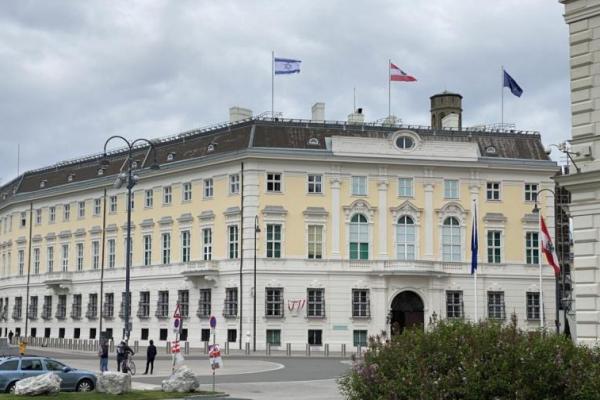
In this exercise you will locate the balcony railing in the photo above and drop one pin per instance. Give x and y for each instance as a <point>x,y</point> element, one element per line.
<point>33,311</point>
<point>16,314</point>
<point>162,310</point>
<point>143,311</point>
<point>91,313</point>
<point>76,312</point>
<point>61,313</point>
<point>47,313</point>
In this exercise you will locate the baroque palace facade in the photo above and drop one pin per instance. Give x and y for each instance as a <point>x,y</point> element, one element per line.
<point>361,228</point>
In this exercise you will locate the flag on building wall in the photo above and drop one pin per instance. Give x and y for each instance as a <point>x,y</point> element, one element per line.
<point>474,242</point>
<point>510,83</point>
<point>397,75</point>
<point>286,66</point>
<point>548,248</point>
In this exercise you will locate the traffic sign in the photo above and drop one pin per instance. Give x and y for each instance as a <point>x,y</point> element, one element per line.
<point>213,322</point>
<point>177,314</point>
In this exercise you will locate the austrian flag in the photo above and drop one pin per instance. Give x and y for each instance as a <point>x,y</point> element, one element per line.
<point>396,74</point>
<point>548,247</point>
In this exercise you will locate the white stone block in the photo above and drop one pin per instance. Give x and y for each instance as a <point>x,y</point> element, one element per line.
<point>113,383</point>
<point>48,383</point>
<point>183,380</point>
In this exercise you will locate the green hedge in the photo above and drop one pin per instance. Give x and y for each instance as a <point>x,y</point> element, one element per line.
<point>460,360</point>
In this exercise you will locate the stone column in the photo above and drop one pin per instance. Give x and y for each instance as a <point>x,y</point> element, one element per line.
<point>428,253</point>
<point>382,186</point>
<point>336,184</point>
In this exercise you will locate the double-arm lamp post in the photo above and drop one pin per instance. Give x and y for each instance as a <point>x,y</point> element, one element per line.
<point>130,180</point>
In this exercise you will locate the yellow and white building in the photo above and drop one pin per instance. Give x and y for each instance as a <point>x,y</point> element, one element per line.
<point>363,228</point>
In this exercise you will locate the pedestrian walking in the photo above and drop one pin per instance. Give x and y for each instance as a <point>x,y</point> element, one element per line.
<point>10,336</point>
<point>150,356</point>
<point>103,354</point>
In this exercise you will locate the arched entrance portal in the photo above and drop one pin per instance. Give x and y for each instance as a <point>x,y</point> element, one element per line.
<point>407,310</point>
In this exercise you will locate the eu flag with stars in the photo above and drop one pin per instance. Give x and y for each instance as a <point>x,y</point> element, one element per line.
<point>510,83</point>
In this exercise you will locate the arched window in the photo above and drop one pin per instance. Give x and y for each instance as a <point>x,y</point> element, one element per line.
<point>359,238</point>
<point>451,248</point>
<point>405,238</point>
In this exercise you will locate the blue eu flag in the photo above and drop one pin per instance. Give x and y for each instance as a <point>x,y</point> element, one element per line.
<point>510,83</point>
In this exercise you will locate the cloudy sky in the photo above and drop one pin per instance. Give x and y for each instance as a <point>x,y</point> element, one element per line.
<point>74,72</point>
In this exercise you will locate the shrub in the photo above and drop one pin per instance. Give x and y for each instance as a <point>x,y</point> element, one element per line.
<point>462,360</point>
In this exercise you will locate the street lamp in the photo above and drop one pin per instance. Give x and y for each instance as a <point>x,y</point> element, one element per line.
<point>256,231</point>
<point>130,180</point>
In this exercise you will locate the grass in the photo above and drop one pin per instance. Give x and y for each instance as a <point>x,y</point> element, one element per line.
<point>133,395</point>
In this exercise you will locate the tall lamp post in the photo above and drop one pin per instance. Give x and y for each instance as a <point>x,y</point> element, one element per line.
<point>536,210</point>
<point>256,231</point>
<point>130,180</point>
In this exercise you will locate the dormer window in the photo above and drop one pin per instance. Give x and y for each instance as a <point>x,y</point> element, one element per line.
<point>100,171</point>
<point>171,156</point>
<point>211,148</point>
<point>70,177</point>
<point>490,150</point>
<point>313,141</point>
<point>43,184</point>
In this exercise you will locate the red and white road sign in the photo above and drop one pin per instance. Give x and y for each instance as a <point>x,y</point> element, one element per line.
<point>214,354</point>
<point>175,347</point>
<point>177,319</point>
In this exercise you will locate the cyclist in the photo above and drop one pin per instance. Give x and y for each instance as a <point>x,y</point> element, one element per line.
<point>123,354</point>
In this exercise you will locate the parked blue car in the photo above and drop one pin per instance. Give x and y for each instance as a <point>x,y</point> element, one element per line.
<point>13,369</point>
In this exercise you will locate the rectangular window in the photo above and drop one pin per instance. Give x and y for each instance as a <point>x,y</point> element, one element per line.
<point>454,304</point>
<point>113,204</point>
<point>144,334</point>
<point>207,243</point>
<point>18,308</point>
<point>183,296</point>
<point>61,307</point>
<point>38,216</point>
<point>493,191</point>
<point>274,302</point>
<point>405,187</point>
<point>533,305</point>
<point>185,246</point>
<point>273,182</point>
<point>52,214</point>
<point>208,188</point>
<point>144,305</point>
<point>205,335</point>
<point>163,334</point>
<point>315,337</point>
<point>496,305</point>
<point>359,185</point>
<point>167,195</point>
<point>95,254</point>
<point>23,219</point>
<point>315,241</point>
<point>47,311</point>
<point>274,337</point>
<point>532,255</point>
<point>531,190</point>
<point>50,259</point>
<point>65,257</point>
<point>92,308</point>
<point>359,338</point>
<point>149,198</point>
<point>33,307</point>
<point>66,212</point>
<point>204,304</point>
<point>234,184</point>
<point>81,211</point>
<point>451,189</point>
<point>233,241</point>
<point>162,306</point>
<point>166,248</point>
<point>79,256</point>
<point>360,303</point>
<point>76,307</point>
<point>187,191</point>
<point>111,253</point>
<point>231,303</point>
<point>21,260</point>
<point>273,241</point>
<point>147,250</point>
<point>109,305</point>
<point>315,183</point>
<point>494,247</point>
<point>36,261</point>
<point>97,207</point>
<point>123,302</point>
<point>315,303</point>
<point>231,335</point>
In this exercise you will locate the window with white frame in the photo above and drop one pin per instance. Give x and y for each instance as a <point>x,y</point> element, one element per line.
<point>166,248</point>
<point>111,244</point>
<point>531,190</point>
<point>92,307</point>
<point>167,195</point>
<point>187,191</point>
<point>451,241</point>
<point>494,247</point>
<point>273,182</point>
<point>315,304</point>
<point>533,305</point>
<point>81,210</point>
<point>234,184</point>
<point>274,337</point>
<point>95,254</point>
<point>204,303</point>
<point>359,238</point>
<point>496,305</point>
<point>97,206</point>
<point>66,212</point>
<point>231,303</point>
<point>21,261</point>
<point>65,257</point>
<point>144,305</point>
<point>451,189</point>
<point>315,337</point>
<point>315,241</point>
<point>183,297</point>
<point>454,304</point>
<point>493,191</point>
<point>50,259</point>
<point>359,338</point>
<point>113,204</point>
<point>273,302</point>
<point>405,187</point>
<point>532,255</point>
<point>207,243</point>
<point>405,238</point>
<point>185,246</point>
<point>23,219</point>
<point>273,241</point>
<point>359,185</point>
<point>38,216</point>
<point>147,250</point>
<point>233,238</point>
<point>149,198</point>
<point>360,303</point>
<point>109,305</point>
<point>208,188</point>
<point>36,261</point>
<point>52,214</point>
<point>315,183</point>
<point>79,247</point>
<point>162,305</point>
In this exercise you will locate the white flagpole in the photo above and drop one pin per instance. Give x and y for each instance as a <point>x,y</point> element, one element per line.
<point>540,265</point>
<point>389,87</point>
<point>273,84</point>
<point>502,97</point>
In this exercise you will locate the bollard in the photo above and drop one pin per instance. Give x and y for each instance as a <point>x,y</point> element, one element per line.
<point>227,348</point>
<point>186,347</point>
<point>136,346</point>
<point>326,350</point>
<point>288,349</point>
<point>307,349</point>
<point>112,345</point>
<point>247,349</point>
<point>168,348</point>
<point>205,347</point>
<point>344,350</point>
<point>268,349</point>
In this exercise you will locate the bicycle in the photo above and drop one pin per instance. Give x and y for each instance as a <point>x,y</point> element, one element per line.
<point>128,366</point>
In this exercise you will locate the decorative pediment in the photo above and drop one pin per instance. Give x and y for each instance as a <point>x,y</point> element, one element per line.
<point>124,227</point>
<point>274,283</point>
<point>315,283</point>
<point>494,287</point>
<point>497,218</point>
<point>315,214</point>
<point>95,230</point>
<point>79,232</point>
<point>50,236</point>
<point>206,216</point>
<point>360,284</point>
<point>532,218</point>
<point>232,213</point>
<point>64,234</point>
<point>36,238</point>
<point>185,218</point>
<point>274,211</point>
<point>111,228</point>
<point>21,240</point>
<point>147,223</point>
<point>406,208</point>
<point>360,207</point>
<point>165,221</point>
<point>452,209</point>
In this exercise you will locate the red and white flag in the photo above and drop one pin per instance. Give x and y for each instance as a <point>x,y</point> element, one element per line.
<point>397,75</point>
<point>548,247</point>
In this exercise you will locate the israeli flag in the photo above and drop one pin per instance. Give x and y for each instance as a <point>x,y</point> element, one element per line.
<point>286,66</point>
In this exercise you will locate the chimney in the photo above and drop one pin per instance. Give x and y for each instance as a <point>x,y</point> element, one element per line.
<point>318,112</point>
<point>443,104</point>
<point>239,113</point>
<point>356,117</point>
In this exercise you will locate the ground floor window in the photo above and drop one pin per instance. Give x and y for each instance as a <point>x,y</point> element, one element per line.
<point>231,335</point>
<point>274,337</point>
<point>76,333</point>
<point>163,334</point>
<point>533,305</point>
<point>183,335</point>
<point>315,337</point>
<point>205,335</point>
<point>61,333</point>
<point>359,338</point>
<point>144,335</point>
<point>33,332</point>
<point>92,333</point>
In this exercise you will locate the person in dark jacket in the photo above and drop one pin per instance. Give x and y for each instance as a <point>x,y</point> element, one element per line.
<point>10,336</point>
<point>103,354</point>
<point>123,352</point>
<point>150,356</point>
